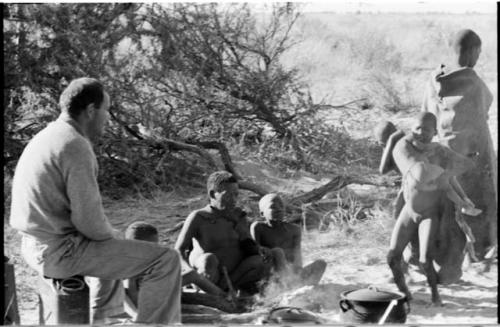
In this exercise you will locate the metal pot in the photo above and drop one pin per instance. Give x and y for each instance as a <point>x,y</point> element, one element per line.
<point>370,305</point>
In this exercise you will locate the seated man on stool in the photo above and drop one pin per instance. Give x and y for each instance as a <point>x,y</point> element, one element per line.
<point>57,207</point>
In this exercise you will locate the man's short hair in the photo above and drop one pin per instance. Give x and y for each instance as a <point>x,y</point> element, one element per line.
<point>464,40</point>
<point>383,130</point>
<point>142,231</point>
<point>216,180</point>
<point>268,197</point>
<point>79,94</point>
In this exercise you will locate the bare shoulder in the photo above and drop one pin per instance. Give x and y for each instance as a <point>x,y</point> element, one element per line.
<point>195,218</point>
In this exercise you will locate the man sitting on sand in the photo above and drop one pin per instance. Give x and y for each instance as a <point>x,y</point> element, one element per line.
<point>274,233</point>
<point>420,213</point>
<point>215,240</point>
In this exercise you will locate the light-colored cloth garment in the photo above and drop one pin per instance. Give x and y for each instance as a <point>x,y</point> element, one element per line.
<point>56,205</point>
<point>54,189</point>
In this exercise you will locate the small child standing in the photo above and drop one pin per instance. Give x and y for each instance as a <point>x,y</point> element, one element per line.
<point>424,176</point>
<point>140,231</point>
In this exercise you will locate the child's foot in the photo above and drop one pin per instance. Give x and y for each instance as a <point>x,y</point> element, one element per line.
<point>471,211</point>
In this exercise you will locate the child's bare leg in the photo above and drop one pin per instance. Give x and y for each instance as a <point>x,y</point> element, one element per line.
<point>457,187</point>
<point>192,277</point>
<point>426,231</point>
<point>403,231</point>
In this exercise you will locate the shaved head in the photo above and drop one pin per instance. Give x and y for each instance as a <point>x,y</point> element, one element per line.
<point>467,45</point>
<point>465,39</point>
<point>426,117</point>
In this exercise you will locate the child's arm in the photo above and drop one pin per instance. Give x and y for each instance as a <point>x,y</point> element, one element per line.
<point>457,187</point>
<point>385,165</point>
<point>457,164</point>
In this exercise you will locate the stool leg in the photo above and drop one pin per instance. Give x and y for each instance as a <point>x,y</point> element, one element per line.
<point>41,319</point>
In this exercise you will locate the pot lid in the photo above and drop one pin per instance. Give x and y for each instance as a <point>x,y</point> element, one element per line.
<point>372,294</point>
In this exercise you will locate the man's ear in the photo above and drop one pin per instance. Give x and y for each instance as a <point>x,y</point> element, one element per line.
<point>262,213</point>
<point>211,194</point>
<point>90,110</point>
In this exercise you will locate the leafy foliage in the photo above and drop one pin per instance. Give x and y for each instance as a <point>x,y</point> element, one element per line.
<point>183,72</point>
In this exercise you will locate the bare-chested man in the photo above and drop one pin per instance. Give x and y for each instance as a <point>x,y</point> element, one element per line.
<point>421,211</point>
<point>274,233</point>
<point>217,237</point>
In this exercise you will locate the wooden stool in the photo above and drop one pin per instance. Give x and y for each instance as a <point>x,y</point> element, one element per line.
<point>10,310</point>
<point>63,301</point>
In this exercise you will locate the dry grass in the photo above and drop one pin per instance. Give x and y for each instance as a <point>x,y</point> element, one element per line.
<point>384,57</point>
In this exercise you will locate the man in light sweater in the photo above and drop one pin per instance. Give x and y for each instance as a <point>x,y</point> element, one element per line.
<point>57,207</point>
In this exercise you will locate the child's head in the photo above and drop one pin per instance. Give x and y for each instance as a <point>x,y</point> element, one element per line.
<point>424,127</point>
<point>142,231</point>
<point>271,207</point>
<point>467,46</point>
<point>383,130</point>
<point>222,189</point>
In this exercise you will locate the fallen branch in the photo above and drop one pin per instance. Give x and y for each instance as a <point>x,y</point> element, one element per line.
<point>176,228</point>
<point>224,154</point>
<point>162,142</point>
<point>339,106</point>
<point>212,301</point>
<point>179,146</point>
<point>229,166</point>
<point>249,186</point>
<point>334,184</point>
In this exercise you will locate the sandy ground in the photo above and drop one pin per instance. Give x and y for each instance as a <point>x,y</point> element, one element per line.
<point>355,255</point>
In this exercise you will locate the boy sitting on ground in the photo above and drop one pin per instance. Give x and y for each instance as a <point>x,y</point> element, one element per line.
<point>274,233</point>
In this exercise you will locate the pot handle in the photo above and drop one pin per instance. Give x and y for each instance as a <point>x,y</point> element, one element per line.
<point>345,305</point>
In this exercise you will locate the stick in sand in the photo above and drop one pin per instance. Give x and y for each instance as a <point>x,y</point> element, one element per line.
<point>387,311</point>
<point>232,293</point>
